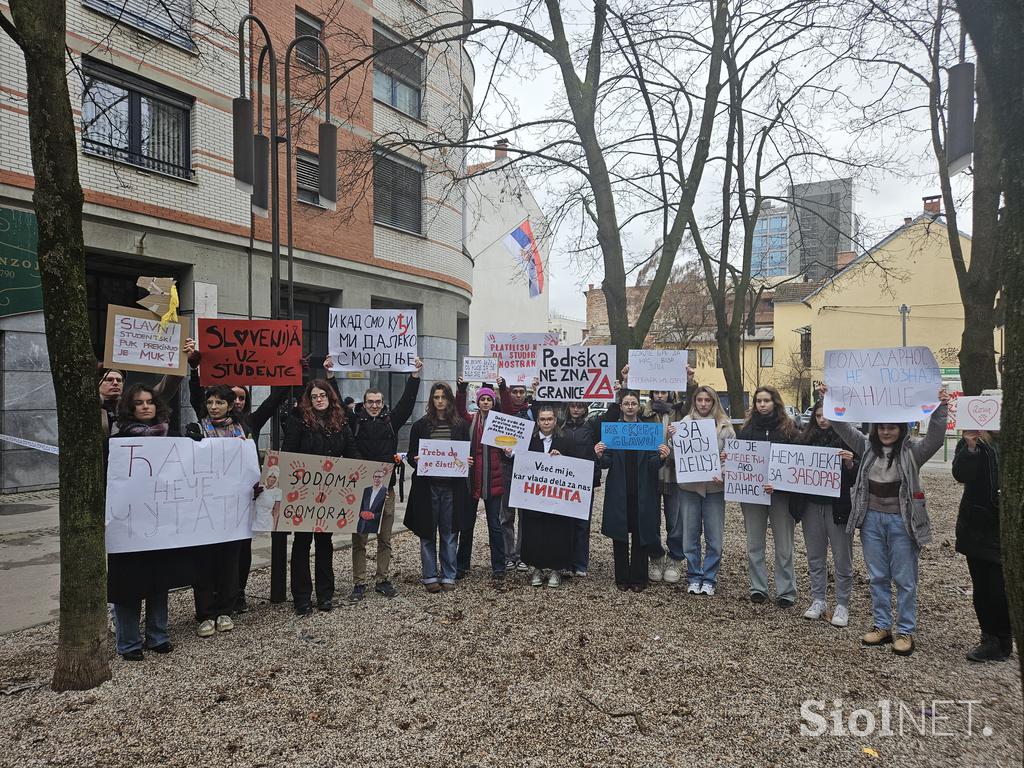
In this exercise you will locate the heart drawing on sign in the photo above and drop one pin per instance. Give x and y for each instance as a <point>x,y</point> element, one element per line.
<point>983,411</point>
<point>840,410</point>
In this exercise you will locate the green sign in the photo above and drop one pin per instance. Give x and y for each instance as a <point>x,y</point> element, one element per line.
<point>949,371</point>
<point>21,289</point>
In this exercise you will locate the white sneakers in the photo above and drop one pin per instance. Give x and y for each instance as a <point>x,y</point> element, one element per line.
<point>537,578</point>
<point>693,589</point>
<point>841,617</point>
<point>206,628</point>
<point>672,574</point>
<point>224,623</point>
<point>656,569</point>
<point>707,588</point>
<point>555,579</point>
<point>817,609</point>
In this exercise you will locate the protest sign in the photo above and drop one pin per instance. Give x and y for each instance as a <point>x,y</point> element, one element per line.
<point>695,450</point>
<point>897,384</point>
<point>569,374</point>
<point>170,492</point>
<point>632,435</point>
<point>135,342</point>
<point>504,431</point>
<point>805,469</point>
<point>480,368</point>
<point>373,339</point>
<point>745,471</point>
<point>658,370</point>
<point>559,485</point>
<point>250,352</point>
<point>321,494</point>
<point>443,458</point>
<point>979,412</point>
<point>517,353</point>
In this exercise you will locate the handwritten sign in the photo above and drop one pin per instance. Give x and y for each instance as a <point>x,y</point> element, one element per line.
<point>658,370</point>
<point>805,469</point>
<point>695,450</point>
<point>897,384</point>
<point>320,494</point>
<point>983,412</point>
<point>558,485</point>
<point>569,374</point>
<point>480,368</point>
<point>745,471</point>
<point>373,339</point>
<point>504,431</point>
<point>443,458</point>
<point>517,353</point>
<point>632,435</point>
<point>135,342</point>
<point>170,492</point>
<point>250,351</point>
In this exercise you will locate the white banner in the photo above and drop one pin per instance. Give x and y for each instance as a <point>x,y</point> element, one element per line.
<point>695,450</point>
<point>979,412</point>
<point>658,370</point>
<point>805,469</point>
<point>373,339</point>
<point>170,492</point>
<point>480,369</point>
<point>895,384</point>
<point>559,485</point>
<point>569,374</point>
<point>746,471</point>
<point>504,431</point>
<point>517,353</point>
<point>30,444</point>
<point>443,458</point>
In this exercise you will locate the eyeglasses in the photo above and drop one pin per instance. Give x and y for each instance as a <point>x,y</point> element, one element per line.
<point>318,397</point>
<point>373,402</point>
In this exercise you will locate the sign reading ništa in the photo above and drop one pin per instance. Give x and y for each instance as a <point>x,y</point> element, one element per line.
<point>571,374</point>
<point>517,353</point>
<point>480,368</point>
<point>805,469</point>
<point>136,342</point>
<point>895,384</point>
<point>302,492</point>
<point>745,471</point>
<point>250,352</point>
<point>171,492</point>
<point>504,431</point>
<point>559,485</point>
<point>21,287</point>
<point>373,339</point>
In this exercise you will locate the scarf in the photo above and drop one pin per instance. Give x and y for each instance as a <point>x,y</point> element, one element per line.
<point>222,427</point>
<point>769,422</point>
<point>661,407</point>
<point>138,429</point>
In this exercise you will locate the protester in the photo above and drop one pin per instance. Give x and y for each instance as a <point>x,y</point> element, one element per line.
<point>438,506</point>
<point>888,505</point>
<point>111,386</point>
<point>515,402</point>
<point>976,465</point>
<point>583,432</point>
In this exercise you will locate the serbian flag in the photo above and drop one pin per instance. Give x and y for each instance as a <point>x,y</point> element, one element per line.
<point>523,246</point>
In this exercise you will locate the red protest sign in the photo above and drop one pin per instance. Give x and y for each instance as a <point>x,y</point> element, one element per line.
<point>250,351</point>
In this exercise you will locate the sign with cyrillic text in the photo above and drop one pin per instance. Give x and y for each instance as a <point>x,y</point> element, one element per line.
<point>373,339</point>
<point>504,431</point>
<point>570,374</point>
<point>895,384</point>
<point>250,352</point>
<point>980,412</point>
<point>135,342</point>
<point>480,369</point>
<point>745,471</point>
<point>632,435</point>
<point>658,370</point>
<point>443,458</point>
<point>558,485</point>
<point>695,450</point>
<point>805,469</point>
<point>517,353</point>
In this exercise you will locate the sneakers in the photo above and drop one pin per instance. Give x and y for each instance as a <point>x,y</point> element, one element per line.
<point>358,593</point>
<point>816,611</point>
<point>707,588</point>
<point>522,566</point>
<point>537,577</point>
<point>136,655</point>
<point>325,606</point>
<point>672,574</point>
<point>785,602</point>
<point>224,623</point>
<point>989,649</point>
<point>433,587</point>
<point>206,628</point>
<point>841,616</point>
<point>876,637</point>
<point>579,573</point>
<point>758,598</point>
<point>903,645</point>
<point>656,569</point>
<point>303,609</point>
<point>385,588</point>
<point>693,588</point>
<point>510,565</point>
<point>555,579</point>
<point>447,587</point>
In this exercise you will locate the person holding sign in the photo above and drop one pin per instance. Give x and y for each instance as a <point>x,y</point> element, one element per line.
<point>438,506</point>
<point>769,421</point>
<point>583,432</point>
<point>514,401</point>
<point>888,505</point>
<point>631,516</point>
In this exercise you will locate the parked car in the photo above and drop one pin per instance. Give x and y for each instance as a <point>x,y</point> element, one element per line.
<point>795,415</point>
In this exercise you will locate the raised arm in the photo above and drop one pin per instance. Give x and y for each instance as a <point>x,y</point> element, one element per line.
<point>403,409</point>
<point>927,446</point>
<point>460,400</point>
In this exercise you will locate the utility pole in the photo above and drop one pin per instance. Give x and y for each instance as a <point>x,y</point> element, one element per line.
<point>904,311</point>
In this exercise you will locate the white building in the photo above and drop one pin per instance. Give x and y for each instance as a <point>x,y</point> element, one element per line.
<point>571,330</point>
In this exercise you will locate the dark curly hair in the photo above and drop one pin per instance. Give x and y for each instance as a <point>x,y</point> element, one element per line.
<point>331,420</point>
<point>126,405</point>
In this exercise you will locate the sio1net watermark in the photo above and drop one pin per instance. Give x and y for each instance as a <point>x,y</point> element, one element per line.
<point>892,717</point>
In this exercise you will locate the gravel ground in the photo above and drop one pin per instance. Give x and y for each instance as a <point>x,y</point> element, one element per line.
<point>523,676</point>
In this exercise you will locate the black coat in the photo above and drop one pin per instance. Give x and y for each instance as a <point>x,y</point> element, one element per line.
<point>977,524</point>
<point>547,539</point>
<point>582,436</point>
<point>841,505</point>
<point>299,437</point>
<point>377,438</point>
<point>419,516</point>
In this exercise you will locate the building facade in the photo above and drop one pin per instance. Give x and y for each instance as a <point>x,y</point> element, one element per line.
<point>822,226</point>
<point>769,254</point>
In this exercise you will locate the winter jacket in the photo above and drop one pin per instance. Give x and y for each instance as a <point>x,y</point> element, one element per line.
<point>524,411</point>
<point>614,523</point>
<point>377,437</point>
<point>252,421</point>
<point>498,473</point>
<point>419,516</point>
<point>299,437</point>
<point>977,524</point>
<point>840,504</point>
<point>581,437</point>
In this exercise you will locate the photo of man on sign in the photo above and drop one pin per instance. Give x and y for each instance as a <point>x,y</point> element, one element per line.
<point>372,505</point>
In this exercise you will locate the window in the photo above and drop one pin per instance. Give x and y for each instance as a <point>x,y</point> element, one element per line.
<point>397,74</point>
<point>307,51</point>
<point>307,177</point>
<point>314,312</point>
<point>766,356</point>
<point>397,193</point>
<point>135,121</point>
<point>167,20</point>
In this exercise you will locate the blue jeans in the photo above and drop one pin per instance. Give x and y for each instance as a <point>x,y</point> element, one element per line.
<point>673,530</point>
<point>581,541</point>
<point>891,555</point>
<point>701,514</point>
<point>126,623</point>
<point>442,507</point>
<point>495,536</point>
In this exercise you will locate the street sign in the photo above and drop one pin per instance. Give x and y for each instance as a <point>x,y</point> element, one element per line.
<point>21,288</point>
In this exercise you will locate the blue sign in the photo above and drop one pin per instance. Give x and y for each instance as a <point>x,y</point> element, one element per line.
<point>632,435</point>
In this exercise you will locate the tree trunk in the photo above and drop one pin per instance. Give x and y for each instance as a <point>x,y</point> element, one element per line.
<point>82,656</point>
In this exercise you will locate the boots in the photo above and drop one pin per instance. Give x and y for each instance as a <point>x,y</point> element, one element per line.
<point>991,648</point>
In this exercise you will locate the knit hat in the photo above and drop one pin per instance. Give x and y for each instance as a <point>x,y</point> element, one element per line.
<point>485,392</point>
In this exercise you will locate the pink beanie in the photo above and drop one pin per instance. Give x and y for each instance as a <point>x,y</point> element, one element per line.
<point>485,392</point>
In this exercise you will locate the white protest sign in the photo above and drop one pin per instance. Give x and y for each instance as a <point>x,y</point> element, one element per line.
<point>504,431</point>
<point>559,485</point>
<point>372,339</point>
<point>569,374</point>
<point>805,469</point>
<point>443,458</point>
<point>480,368</point>
<point>982,412</point>
<point>658,370</point>
<point>517,353</point>
<point>745,471</point>
<point>170,492</point>
<point>695,450</point>
<point>896,384</point>
<point>135,342</point>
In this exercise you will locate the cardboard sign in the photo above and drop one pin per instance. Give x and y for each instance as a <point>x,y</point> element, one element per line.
<point>981,412</point>
<point>443,458</point>
<point>569,374</point>
<point>135,342</point>
<point>504,431</point>
<point>480,368</point>
<point>321,494</point>
<point>745,471</point>
<point>632,435</point>
<point>517,353</point>
<point>805,469</point>
<point>695,450</point>
<point>891,385</point>
<point>658,370</point>
<point>558,485</point>
<point>373,339</point>
<point>250,352</point>
<point>170,492</point>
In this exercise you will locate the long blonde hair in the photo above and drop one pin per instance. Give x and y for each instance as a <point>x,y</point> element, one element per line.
<point>717,412</point>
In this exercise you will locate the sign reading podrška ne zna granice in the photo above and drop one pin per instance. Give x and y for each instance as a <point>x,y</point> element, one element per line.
<point>250,352</point>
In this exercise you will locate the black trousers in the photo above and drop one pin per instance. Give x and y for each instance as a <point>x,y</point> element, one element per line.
<point>990,597</point>
<point>244,564</point>
<point>630,557</point>
<point>302,586</point>
<point>217,589</point>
